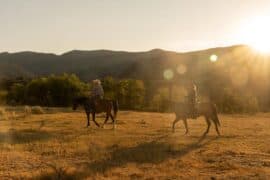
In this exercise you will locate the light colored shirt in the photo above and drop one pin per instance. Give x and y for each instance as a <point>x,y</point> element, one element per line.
<point>97,91</point>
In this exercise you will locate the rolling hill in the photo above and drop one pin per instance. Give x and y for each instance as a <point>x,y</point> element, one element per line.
<point>99,63</point>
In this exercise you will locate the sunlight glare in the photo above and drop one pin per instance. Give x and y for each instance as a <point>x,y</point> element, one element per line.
<point>255,33</point>
<point>239,77</point>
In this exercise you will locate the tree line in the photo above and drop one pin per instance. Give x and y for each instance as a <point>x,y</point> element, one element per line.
<point>132,94</point>
<point>59,91</point>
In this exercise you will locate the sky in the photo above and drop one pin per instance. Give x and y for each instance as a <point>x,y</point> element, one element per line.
<point>58,26</point>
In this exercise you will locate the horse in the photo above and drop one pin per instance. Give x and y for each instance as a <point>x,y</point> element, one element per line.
<point>206,109</point>
<point>104,105</point>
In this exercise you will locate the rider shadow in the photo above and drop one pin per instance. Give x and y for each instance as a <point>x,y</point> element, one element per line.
<point>149,152</point>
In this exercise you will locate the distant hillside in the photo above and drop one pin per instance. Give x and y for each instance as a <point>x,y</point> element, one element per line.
<point>142,65</point>
<point>238,80</point>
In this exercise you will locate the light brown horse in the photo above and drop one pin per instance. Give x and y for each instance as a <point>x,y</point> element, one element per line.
<point>90,106</point>
<point>208,110</point>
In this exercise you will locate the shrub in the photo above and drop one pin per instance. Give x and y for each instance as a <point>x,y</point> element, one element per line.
<point>235,102</point>
<point>27,111</point>
<point>37,110</point>
<point>47,91</point>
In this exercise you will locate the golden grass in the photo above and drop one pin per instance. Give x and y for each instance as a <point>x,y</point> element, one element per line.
<point>59,146</point>
<point>3,114</point>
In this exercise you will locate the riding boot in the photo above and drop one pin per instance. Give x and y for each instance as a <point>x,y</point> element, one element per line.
<point>196,113</point>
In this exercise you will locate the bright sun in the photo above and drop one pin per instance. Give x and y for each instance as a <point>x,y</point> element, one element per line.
<point>256,33</point>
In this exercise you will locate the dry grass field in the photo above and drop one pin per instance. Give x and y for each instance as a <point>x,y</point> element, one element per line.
<point>57,145</point>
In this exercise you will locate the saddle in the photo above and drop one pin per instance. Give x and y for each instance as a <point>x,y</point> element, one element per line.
<point>97,102</point>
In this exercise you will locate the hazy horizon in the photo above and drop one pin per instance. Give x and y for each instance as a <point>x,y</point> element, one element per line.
<point>123,50</point>
<point>177,25</point>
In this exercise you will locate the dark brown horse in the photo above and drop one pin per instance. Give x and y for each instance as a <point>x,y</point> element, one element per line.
<point>90,106</point>
<point>208,110</point>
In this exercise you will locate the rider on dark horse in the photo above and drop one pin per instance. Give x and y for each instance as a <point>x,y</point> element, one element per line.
<point>97,92</point>
<point>192,98</point>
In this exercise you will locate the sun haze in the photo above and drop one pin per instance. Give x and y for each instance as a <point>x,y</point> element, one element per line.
<point>181,25</point>
<point>255,32</point>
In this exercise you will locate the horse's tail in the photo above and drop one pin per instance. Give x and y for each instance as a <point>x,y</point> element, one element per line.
<point>115,108</point>
<point>215,116</point>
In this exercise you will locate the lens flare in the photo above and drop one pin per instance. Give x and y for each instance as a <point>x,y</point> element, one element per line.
<point>181,69</point>
<point>168,74</point>
<point>213,58</point>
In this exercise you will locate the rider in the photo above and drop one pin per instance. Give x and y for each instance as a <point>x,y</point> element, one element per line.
<point>192,98</point>
<point>97,92</point>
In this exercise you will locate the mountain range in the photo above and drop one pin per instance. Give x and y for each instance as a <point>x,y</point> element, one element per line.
<point>148,65</point>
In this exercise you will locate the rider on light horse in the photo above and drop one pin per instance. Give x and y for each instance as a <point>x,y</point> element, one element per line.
<point>192,98</point>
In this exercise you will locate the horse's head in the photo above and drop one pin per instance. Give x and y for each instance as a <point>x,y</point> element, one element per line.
<point>75,103</point>
<point>79,101</point>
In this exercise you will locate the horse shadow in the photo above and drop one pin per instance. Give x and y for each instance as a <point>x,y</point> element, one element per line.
<point>153,152</point>
<point>13,136</point>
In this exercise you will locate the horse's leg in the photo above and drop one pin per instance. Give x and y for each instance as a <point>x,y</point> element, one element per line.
<point>216,126</point>
<point>106,119</point>
<point>88,119</point>
<point>174,122</point>
<point>208,125</point>
<point>94,119</point>
<point>110,113</point>
<point>186,125</point>
<point>112,119</point>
